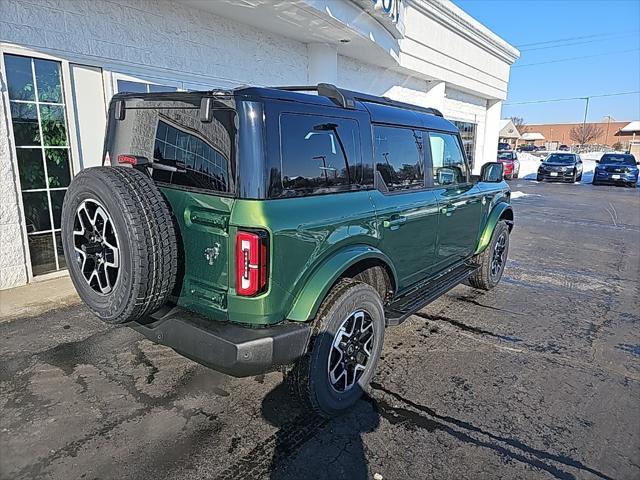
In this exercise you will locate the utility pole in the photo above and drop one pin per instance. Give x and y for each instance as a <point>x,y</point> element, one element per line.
<point>584,121</point>
<point>606,137</point>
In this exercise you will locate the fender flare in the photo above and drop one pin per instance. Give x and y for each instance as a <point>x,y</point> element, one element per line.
<point>501,210</point>
<point>307,302</point>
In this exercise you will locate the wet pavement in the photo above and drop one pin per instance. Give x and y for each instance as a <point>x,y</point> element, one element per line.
<point>539,378</point>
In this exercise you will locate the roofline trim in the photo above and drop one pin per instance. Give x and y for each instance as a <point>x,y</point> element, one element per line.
<point>448,14</point>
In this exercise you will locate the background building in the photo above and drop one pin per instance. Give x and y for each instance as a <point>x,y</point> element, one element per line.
<point>560,133</point>
<point>62,61</point>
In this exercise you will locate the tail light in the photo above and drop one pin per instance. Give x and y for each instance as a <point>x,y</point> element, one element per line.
<point>251,262</point>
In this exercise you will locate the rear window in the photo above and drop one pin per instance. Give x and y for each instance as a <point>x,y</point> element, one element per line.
<point>318,155</point>
<point>621,159</point>
<point>185,152</point>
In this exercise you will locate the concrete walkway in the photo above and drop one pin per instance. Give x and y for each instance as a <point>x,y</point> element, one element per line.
<point>37,298</point>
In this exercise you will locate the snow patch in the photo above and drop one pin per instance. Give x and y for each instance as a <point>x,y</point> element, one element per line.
<point>519,194</point>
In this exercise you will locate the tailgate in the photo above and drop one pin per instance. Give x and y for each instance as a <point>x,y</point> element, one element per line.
<point>187,142</point>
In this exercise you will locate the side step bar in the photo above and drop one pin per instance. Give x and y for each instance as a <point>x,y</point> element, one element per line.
<point>399,310</point>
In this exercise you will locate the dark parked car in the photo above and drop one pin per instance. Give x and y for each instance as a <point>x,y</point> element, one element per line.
<point>529,147</point>
<point>258,228</point>
<point>564,148</point>
<point>566,167</point>
<point>510,163</point>
<point>503,146</point>
<point>616,168</point>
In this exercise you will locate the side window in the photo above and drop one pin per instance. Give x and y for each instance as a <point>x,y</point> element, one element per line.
<point>448,163</point>
<point>399,157</point>
<point>319,154</point>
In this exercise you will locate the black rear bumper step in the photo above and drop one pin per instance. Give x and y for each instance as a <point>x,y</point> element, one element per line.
<point>226,347</point>
<point>402,308</point>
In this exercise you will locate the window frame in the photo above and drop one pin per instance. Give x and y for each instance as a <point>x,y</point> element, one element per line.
<point>72,147</point>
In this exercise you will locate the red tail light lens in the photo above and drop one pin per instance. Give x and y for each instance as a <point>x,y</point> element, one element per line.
<point>251,262</point>
<point>135,160</point>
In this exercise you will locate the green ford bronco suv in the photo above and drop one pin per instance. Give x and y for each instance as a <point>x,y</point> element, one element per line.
<point>261,228</point>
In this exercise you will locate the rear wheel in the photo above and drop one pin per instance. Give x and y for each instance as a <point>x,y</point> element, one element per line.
<point>119,243</point>
<point>345,348</point>
<point>492,260</point>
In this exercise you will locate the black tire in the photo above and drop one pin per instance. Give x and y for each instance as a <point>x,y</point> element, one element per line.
<point>309,377</point>
<point>485,278</point>
<point>594,182</point>
<point>575,177</point>
<point>579,177</point>
<point>539,178</point>
<point>515,175</point>
<point>143,230</point>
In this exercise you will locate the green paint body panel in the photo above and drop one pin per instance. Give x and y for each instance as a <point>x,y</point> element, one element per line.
<point>498,209</point>
<point>314,239</point>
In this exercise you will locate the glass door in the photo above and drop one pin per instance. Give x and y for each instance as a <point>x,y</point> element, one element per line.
<point>38,117</point>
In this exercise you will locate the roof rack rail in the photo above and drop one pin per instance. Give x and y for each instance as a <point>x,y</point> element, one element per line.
<point>347,98</point>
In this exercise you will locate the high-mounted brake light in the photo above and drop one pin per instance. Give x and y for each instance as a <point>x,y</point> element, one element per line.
<point>251,262</point>
<point>135,160</point>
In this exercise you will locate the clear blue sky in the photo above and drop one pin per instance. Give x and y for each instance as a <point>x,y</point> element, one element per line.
<point>611,38</point>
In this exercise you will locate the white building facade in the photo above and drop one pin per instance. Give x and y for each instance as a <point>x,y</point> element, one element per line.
<point>62,60</point>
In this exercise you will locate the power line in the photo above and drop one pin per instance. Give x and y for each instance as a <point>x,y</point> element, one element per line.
<point>579,42</point>
<point>568,39</point>
<point>528,102</point>
<point>576,58</point>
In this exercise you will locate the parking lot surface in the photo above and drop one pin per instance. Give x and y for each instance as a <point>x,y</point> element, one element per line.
<point>539,378</point>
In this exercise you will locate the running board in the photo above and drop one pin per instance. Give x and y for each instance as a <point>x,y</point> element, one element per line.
<point>399,310</point>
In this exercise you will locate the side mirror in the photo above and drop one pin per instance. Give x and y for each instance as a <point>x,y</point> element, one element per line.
<point>598,161</point>
<point>491,172</point>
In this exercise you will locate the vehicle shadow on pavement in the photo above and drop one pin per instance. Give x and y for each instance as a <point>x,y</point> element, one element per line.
<point>305,445</point>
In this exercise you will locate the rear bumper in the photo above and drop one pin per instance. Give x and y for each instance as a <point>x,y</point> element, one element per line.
<point>226,347</point>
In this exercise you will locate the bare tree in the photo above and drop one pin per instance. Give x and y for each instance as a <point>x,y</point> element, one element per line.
<point>585,133</point>
<point>518,122</point>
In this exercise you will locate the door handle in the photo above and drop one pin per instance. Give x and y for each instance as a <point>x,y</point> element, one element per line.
<point>448,210</point>
<point>395,222</point>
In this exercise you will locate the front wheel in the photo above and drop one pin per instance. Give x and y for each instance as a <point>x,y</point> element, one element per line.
<point>345,348</point>
<point>539,178</point>
<point>492,260</point>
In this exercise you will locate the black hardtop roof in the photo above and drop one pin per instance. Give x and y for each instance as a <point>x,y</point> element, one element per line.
<point>380,109</point>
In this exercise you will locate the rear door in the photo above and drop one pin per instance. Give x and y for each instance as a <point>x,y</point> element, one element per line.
<point>407,213</point>
<point>193,162</point>
<point>459,200</point>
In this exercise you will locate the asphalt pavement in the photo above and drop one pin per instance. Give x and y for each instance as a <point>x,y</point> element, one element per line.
<point>537,379</point>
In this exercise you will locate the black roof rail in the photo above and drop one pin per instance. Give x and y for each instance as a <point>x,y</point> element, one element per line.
<point>347,98</point>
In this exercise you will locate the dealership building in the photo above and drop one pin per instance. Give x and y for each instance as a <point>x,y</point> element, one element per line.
<point>62,60</point>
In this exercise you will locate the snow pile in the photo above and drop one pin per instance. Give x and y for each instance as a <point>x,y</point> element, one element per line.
<point>519,194</point>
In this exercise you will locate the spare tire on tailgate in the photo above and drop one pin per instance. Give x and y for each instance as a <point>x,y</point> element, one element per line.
<point>119,242</point>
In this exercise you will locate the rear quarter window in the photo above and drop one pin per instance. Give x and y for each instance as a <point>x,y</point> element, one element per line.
<point>319,154</point>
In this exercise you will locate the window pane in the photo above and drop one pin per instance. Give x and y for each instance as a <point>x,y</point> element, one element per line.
<point>48,81</point>
<point>36,211</point>
<point>24,117</point>
<point>319,154</point>
<point>57,197</point>
<point>161,88</point>
<point>54,130</point>
<point>199,173</point>
<point>42,254</point>
<point>131,87</point>
<point>58,167</point>
<point>61,260</point>
<point>19,77</point>
<point>448,163</point>
<point>31,168</point>
<point>399,157</point>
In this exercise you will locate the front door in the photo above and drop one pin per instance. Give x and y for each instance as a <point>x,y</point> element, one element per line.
<point>459,201</point>
<point>406,213</point>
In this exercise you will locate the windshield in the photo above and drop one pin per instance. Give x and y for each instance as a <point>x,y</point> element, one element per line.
<point>568,159</point>
<point>505,156</point>
<point>619,159</point>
